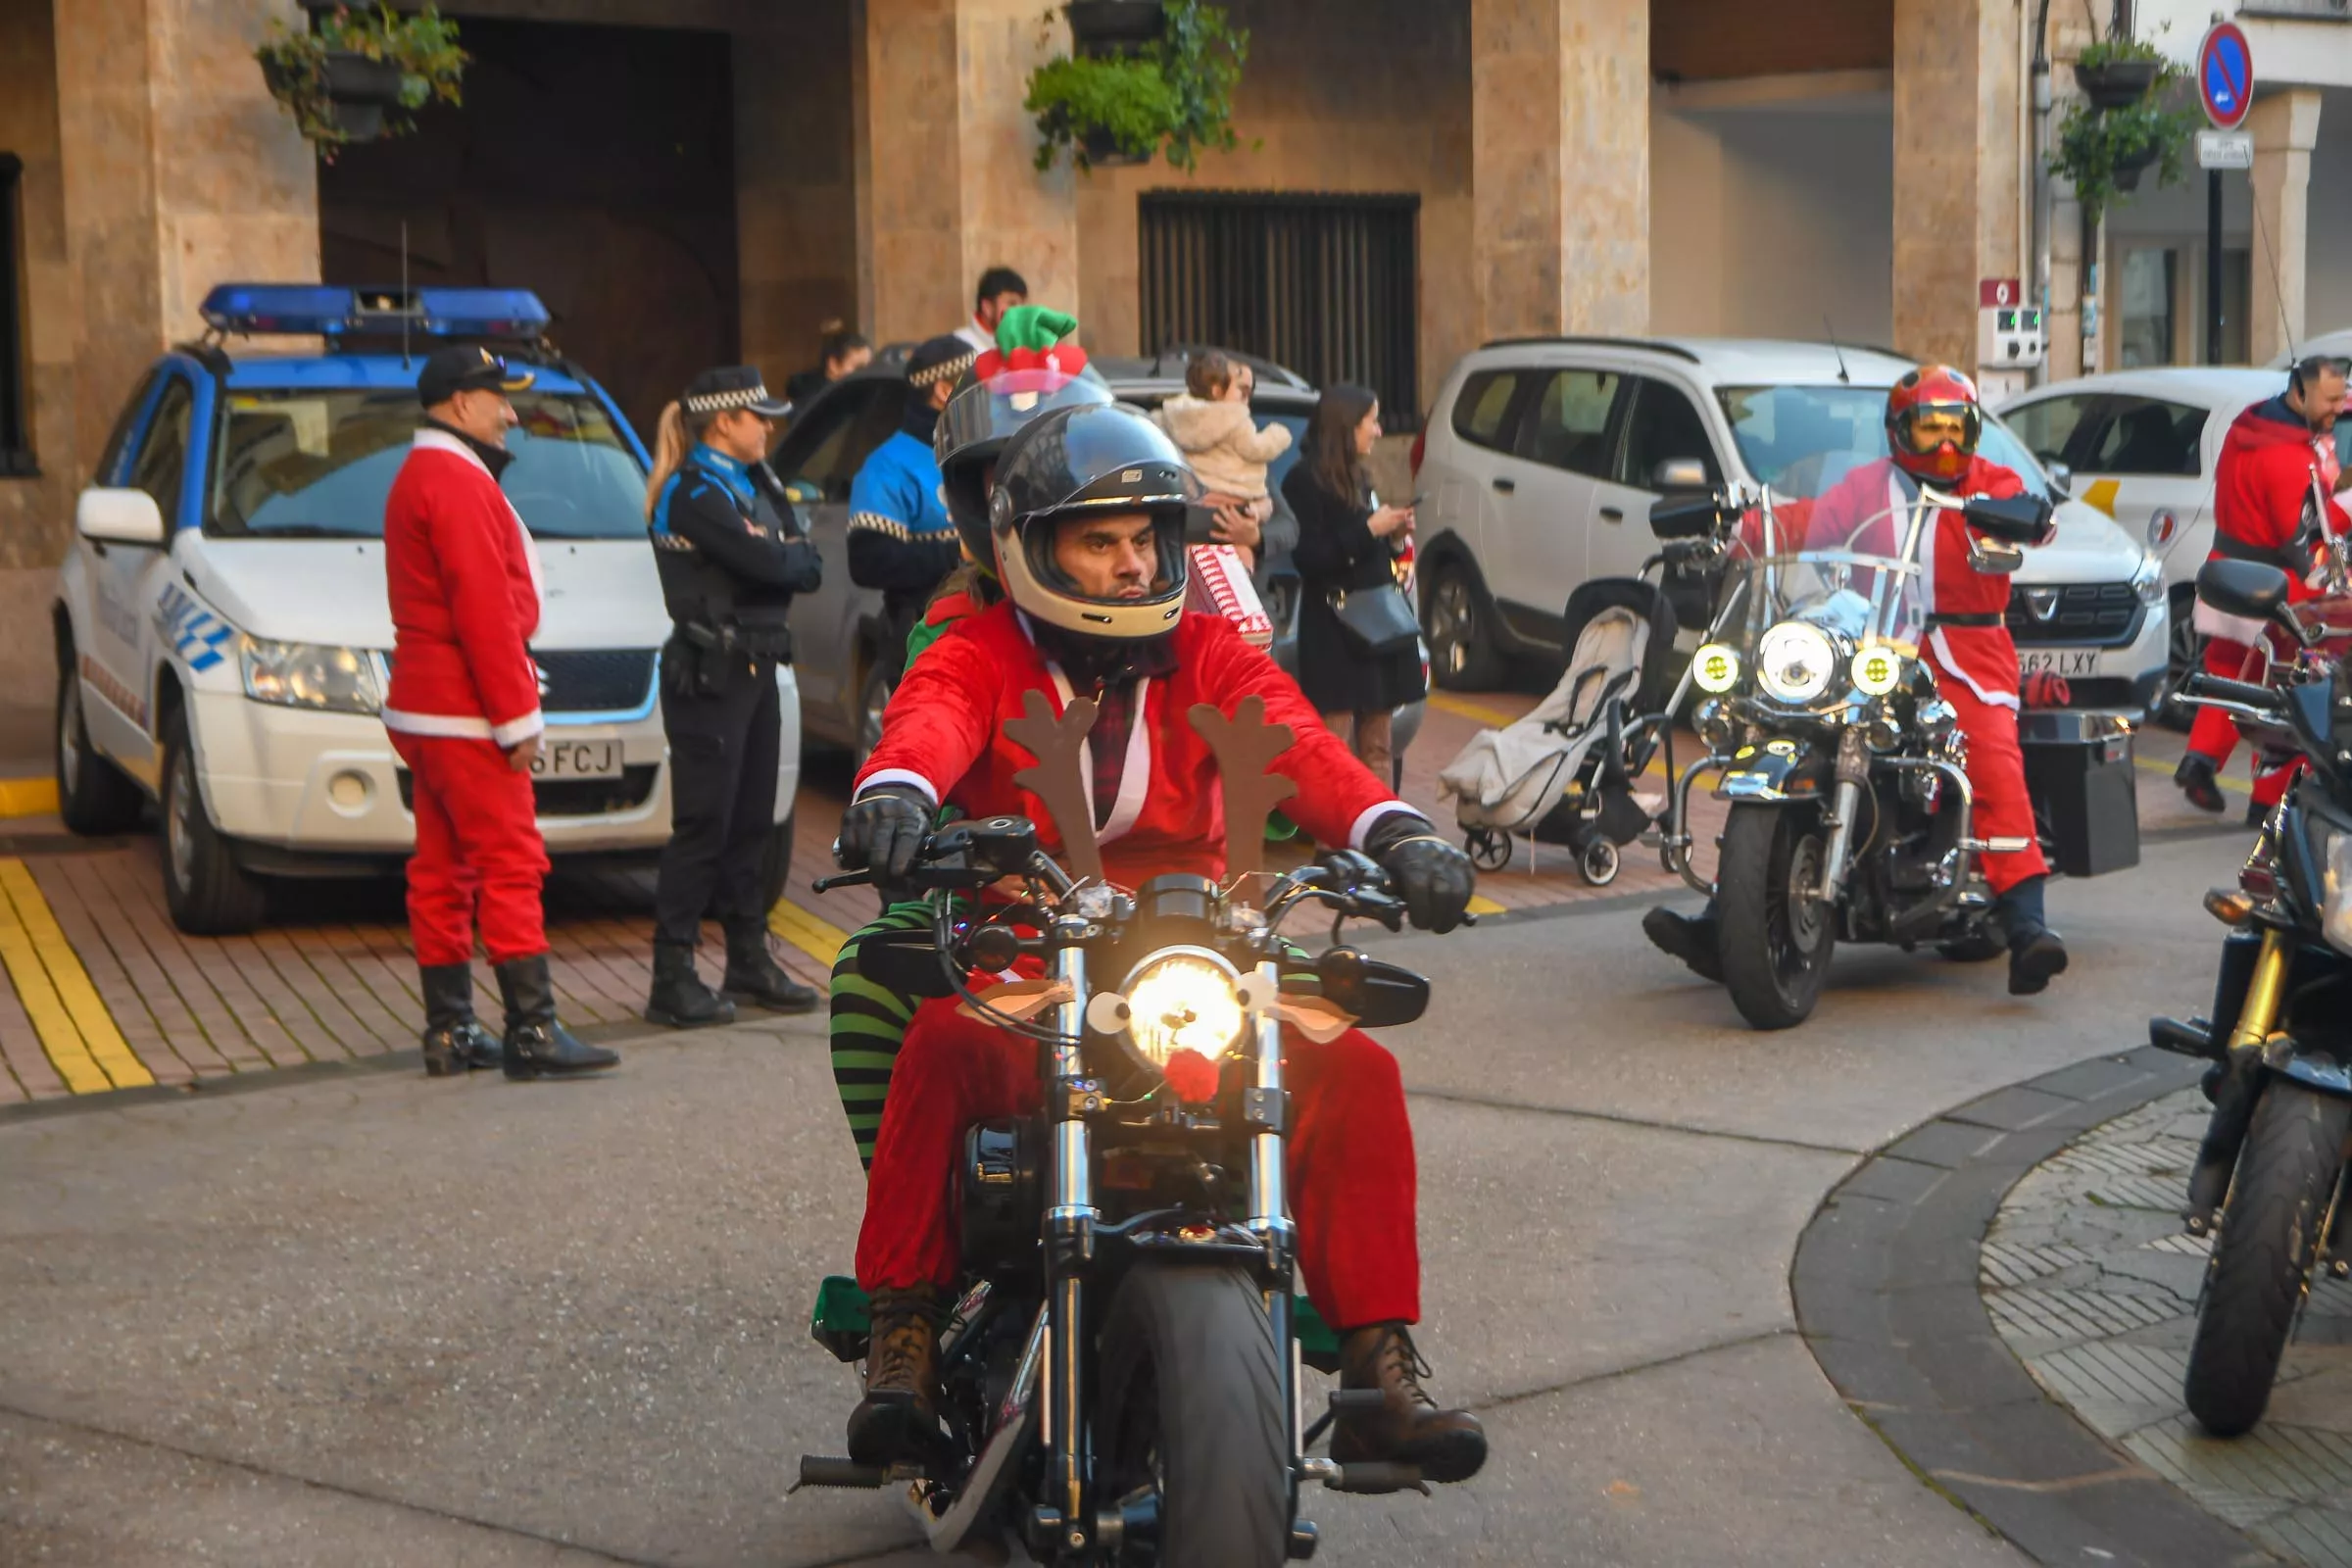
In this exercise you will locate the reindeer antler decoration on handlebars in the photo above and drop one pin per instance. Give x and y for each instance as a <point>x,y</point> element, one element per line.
<point>1244,745</point>
<point>1059,780</point>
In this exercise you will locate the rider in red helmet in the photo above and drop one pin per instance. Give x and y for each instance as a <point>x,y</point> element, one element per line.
<point>1933,424</point>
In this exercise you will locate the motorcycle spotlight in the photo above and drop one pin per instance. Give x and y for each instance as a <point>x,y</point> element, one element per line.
<point>1713,723</point>
<point>1184,1014</point>
<point>1794,662</point>
<point>1715,668</point>
<point>1875,670</point>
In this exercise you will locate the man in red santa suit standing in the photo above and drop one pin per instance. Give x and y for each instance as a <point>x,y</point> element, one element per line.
<point>464,716</point>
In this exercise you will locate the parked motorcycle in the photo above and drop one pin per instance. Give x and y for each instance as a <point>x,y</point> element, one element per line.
<point>1121,1374</point>
<point>2269,1176</point>
<point>1850,806</point>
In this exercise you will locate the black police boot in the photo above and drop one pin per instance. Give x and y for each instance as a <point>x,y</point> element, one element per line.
<point>754,976</point>
<point>2035,952</point>
<point>454,1043</point>
<point>2199,781</point>
<point>680,999</point>
<point>1690,938</point>
<point>536,1045</point>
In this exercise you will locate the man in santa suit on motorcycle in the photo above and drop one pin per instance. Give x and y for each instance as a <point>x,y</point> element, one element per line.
<point>1933,424</point>
<point>2279,470</point>
<point>1087,527</point>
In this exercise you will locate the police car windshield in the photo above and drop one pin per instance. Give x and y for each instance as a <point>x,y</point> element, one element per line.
<point>1801,440</point>
<point>314,463</point>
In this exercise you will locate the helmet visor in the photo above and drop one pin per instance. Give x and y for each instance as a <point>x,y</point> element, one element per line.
<point>1108,556</point>
<point>983,413</point>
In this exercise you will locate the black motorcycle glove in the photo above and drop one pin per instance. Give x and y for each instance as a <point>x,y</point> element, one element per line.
<point>884,829</point>
<point>1435,876</point>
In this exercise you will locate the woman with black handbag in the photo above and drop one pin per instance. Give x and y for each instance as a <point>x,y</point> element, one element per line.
<point>1360,649</point>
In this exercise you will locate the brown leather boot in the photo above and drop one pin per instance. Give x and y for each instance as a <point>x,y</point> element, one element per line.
<point>1410,1428</point>
<point>897,1420</point>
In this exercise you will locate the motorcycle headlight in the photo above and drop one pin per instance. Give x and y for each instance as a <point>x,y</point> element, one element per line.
<point>1715,668</point>
<point>1183,1001</point>
<point>1794,662</point>
<point>341,681</point>
<point>1876,669</point>
<point>2148,580</point>
<point>2335,903</point>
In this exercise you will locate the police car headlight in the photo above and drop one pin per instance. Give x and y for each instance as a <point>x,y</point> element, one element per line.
<point>1794,662</point>
<point>1715,668</point>
<point>1875,670</point>
<point>2148,580</point>
<point>341,681</point>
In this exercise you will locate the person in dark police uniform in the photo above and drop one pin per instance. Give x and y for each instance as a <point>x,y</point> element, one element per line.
<point>731,556</point>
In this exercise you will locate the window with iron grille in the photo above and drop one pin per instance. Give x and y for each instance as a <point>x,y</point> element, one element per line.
<point>1328,285</point>
<point>16,434</point>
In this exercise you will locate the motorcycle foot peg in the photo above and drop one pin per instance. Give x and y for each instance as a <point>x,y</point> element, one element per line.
<point>1345,1403</point>
<point>819,1471</point>
<point>2181,1038</point>
<point>2197,1222</point>
<point>1304,1540</point>
<point>1374,1479</point>
<point>2340,1267</point>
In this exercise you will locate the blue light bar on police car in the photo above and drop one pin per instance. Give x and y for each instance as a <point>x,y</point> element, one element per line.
<point>330,311</point>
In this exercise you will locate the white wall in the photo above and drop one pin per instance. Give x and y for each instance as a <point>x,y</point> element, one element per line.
<point>1767,220</point>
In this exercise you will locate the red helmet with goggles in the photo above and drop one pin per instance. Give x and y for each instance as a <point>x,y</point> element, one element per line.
<point>1933,423</point>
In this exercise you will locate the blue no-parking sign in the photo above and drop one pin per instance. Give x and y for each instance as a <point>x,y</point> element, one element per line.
<point>2225,75</point>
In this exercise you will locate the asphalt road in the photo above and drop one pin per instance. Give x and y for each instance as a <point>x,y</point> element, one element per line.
<point>391,1321</point>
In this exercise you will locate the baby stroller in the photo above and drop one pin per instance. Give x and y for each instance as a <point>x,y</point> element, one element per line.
<point>1564,773</point>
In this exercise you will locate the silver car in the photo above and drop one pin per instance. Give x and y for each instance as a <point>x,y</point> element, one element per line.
<point>840,633</point>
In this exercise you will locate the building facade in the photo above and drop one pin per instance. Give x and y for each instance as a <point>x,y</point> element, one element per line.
<point>692,180</point>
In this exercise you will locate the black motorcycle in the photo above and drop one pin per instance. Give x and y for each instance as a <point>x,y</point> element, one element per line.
<point>1121,1374</point>
<point>1850,806</point>
<point>2269,1180</point>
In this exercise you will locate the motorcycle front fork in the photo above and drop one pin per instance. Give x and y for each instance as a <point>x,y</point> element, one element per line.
<point>2234,1098</point>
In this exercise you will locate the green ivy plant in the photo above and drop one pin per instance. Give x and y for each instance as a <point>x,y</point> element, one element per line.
<point>1175,93</point>
<point>2095,146</point>
<point>424,45</point>
<point>2115,51</point>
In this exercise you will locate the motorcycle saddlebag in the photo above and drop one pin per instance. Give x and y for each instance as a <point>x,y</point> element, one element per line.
<point>2080,773</point>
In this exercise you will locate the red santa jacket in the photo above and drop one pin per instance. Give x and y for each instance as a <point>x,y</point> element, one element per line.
<point>465,586</point>
<point>944,734</point>
<point>2260,489</point>
<point>1983,657</point>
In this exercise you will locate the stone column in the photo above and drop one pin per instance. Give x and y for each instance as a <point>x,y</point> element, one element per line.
<point>2286,127</point>
<point>795,181</point>
<point>949,189</point>
<point>1956,168</point>
<point>179,172</point>
<point>1560,165</point>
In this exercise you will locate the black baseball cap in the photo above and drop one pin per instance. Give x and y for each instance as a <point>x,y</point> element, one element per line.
<point>730,387</point>
<point>452,370</point>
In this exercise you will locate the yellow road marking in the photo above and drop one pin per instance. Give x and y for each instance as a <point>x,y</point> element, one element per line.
<point>821,939</point>
<point>1469,709</point>
<point>76,1031</point>
<point>28,797</point>
<point>1481,905</point>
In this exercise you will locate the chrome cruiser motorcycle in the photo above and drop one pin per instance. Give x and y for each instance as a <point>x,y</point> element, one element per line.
<point>1121,1375</point>
<point>1850,806</point>
<point>2269,1182</point>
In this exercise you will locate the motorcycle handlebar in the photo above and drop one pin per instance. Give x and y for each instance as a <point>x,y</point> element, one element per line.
<point>2216,688</point>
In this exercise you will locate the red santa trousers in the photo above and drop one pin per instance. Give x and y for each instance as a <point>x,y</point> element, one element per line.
<point>1996,774</point>
<point>2214,734</point>
<point>1352,1183</point>
<point>478,852</point>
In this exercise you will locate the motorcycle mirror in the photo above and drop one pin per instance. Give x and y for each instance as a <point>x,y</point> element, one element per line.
<point>1377,993</point>
<point>2018,519</point>
<point>1692,519</point>
<point>2245,588</point>
<point>904,962</point>
<point>1680,476</point>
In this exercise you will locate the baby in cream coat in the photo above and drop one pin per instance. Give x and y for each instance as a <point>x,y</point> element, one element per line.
<point>1209,423</point>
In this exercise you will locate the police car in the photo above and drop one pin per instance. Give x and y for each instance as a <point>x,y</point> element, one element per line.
<point>223,636</point>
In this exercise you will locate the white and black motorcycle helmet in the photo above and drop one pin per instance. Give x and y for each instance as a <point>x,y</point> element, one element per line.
<point>1089,462</point>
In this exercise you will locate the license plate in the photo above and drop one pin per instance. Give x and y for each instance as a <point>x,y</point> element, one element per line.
<point>2066,662</point>
<point>560,760</point>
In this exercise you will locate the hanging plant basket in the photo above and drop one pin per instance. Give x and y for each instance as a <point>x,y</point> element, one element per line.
<point>1103,151</point>
<point>359,90</point>
<point>358,74</point>
<point>2117,83</point>
<point>1100,27</point>
<point>2129,166</point>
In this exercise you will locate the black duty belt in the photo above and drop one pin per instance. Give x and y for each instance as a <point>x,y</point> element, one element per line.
<point>1983,621</point>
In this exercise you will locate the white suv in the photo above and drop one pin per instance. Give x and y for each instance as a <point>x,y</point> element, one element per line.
<point>223,636</point>
<point>1536,471</point>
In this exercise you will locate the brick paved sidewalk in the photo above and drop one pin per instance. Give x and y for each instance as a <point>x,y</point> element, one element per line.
<point>98,990</point>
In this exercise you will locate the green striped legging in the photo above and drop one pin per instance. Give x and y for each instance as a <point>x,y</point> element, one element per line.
<point>868,1024</point>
